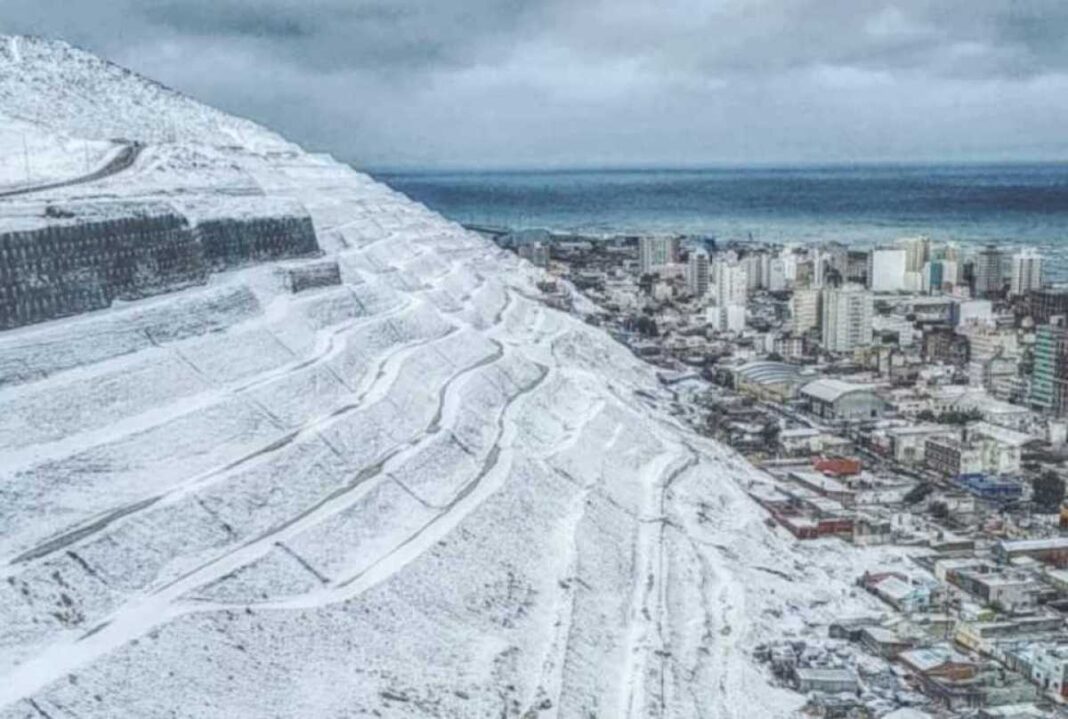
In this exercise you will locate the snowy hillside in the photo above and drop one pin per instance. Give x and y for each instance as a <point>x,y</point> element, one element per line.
<point>384,481</point>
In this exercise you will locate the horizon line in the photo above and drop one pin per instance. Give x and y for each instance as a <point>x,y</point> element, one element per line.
<point>447,169</point>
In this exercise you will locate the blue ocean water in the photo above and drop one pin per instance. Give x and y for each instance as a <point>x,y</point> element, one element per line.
<point>1010,205</point>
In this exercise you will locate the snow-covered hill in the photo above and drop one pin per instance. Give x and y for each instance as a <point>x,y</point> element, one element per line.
<point>413,492</point>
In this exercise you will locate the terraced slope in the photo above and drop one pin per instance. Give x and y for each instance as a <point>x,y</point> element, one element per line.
<point>408,490</point>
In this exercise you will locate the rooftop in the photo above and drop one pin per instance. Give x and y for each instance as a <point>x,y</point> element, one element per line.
<point>831,390</point>
<point>1028,545</point>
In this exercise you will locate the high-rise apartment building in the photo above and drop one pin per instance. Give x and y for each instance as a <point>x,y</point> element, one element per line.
<point>1026,272</point>
<point>847,318</point>
<point>731,282</point>
<point>1049,375</point>
<point>886,269</point>
<point>805,307</point>
<point>989,271</point>
<point>697,273</point>
<point>917,252</point>
<point>654,252</point>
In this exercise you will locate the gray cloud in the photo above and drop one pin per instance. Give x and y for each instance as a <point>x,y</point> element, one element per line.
<point>616,81</point>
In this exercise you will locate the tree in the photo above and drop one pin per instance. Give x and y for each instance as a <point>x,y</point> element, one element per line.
<point>770,435</point>
<point>647,327</point>
<point>926,415</point>
<point>1048,492</point>
<point>960,418</point>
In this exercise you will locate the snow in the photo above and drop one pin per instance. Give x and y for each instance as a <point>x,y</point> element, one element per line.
<point>421,492</point>
<point>30,155</point>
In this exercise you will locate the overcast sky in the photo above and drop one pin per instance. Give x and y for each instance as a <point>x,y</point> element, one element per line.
<point>445,83</point>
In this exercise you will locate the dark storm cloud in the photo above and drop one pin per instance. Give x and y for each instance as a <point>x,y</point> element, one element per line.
<point>585,81</point>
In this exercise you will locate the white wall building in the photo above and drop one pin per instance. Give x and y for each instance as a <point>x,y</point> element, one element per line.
<point>1026,272</point>
<point>805,307</point>
<point>973,312</point>
<point>917,252</point>
<point>755,264</point>
<point>847,319</point>
<point>726,318</point>
<point>655,252</point>
<point>886,270</point>
<point>730,281</point>
<point>776,277</point>
<point>789,265</point>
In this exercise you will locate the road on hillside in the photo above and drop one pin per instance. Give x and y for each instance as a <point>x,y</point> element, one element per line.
<point>123,161</point>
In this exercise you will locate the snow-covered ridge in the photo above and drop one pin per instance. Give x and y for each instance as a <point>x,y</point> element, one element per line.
<point>403,488</point>
<point>55,85</point>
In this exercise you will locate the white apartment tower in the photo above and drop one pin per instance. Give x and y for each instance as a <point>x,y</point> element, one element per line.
<point>805,307</point>
<point>1026,272</point>
<point>917,252</point>
<point>731,283</point>
<point>847,319</point>
<point>886,269</point>
<point>656,252</point>
<point>776,275</point>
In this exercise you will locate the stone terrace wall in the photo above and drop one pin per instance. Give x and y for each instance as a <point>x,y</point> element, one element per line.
<point>68,269</point>
<point>230,243</point>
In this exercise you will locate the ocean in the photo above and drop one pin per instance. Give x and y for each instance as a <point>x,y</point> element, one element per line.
<point>1009,205</point>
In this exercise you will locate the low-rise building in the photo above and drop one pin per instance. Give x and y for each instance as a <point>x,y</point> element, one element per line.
<point>951,457</point>
<point>837,401</point>
<point>825,680</point>
<point>1001,448</point>
<point>897,591</point>
<point>1053,550</point>
<point>1049,669</point>
<point>1007,592</point>
<point>883,642</point>
<point>908,445</point>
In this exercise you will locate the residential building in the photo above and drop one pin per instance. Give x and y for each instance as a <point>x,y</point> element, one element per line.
<point>939,276</point>
<point>726,318</point>
<point>1026,273</point>
<point>1049,374</point>
<point>945,345</point>
<point>951,457</point>
<point>1049,669</point>
<point>776,276</point>
<point>1046,303</point>
<point>729,282</point>
<point>989,269</point>
<point>805,306</point>
<point>656,252</point>
<point>917,252</point>
<point>1002,448</point>
<point>697,273</point>
<point>1005,591</point>
<point>886,269</point>
<point>755,264</point>
<point>825,680</point>
<point>846,319</point>
<point>972,312</point>
<point>1050,551</point>
<point>908,444</point>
